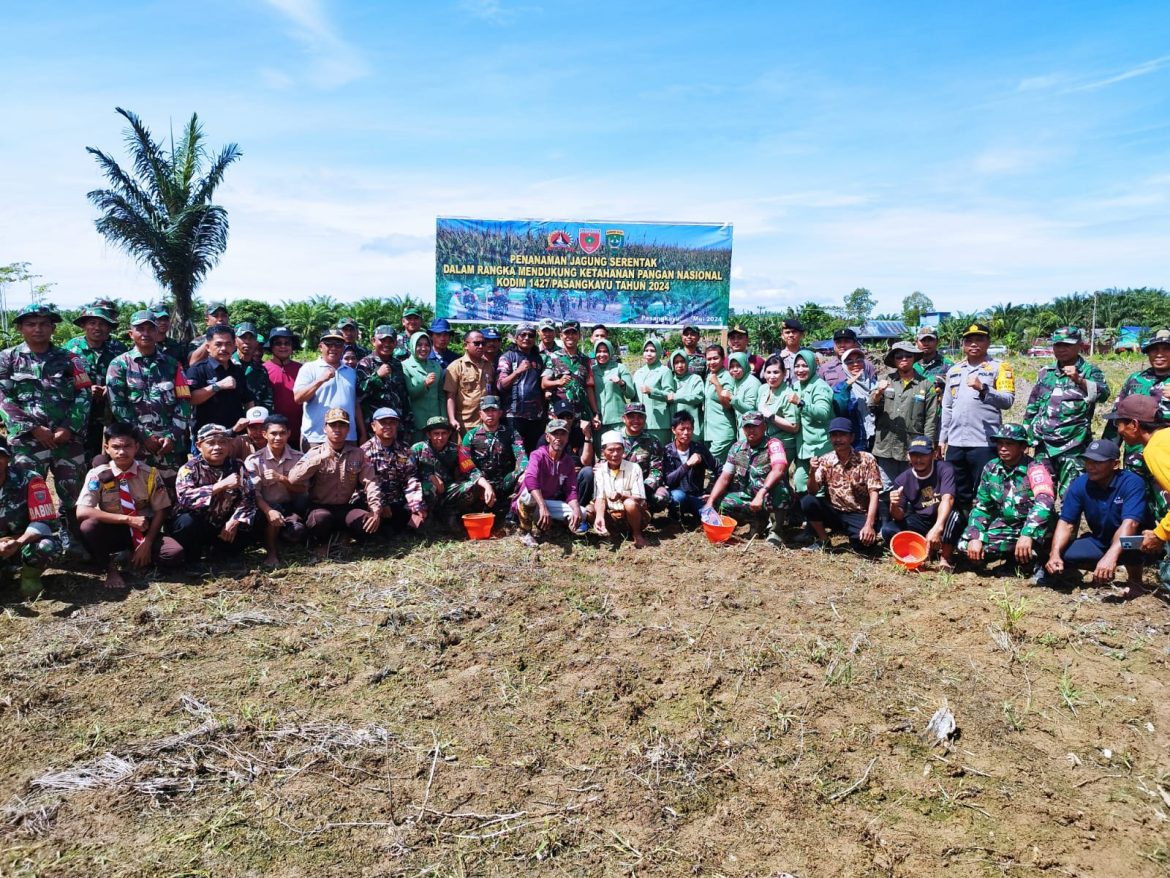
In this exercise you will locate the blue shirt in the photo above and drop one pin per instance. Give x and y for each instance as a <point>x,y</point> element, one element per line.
<point>1105,508</point>
<point>339,392</point>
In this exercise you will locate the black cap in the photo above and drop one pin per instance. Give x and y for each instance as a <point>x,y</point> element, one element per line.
<point>845,334</point>
<point>793,323</point>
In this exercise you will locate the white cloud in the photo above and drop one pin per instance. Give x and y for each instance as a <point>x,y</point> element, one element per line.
<point>335,62</point>
<point>1143,69</point>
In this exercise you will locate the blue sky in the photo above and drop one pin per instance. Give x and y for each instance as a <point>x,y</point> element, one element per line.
<point>980,153</point>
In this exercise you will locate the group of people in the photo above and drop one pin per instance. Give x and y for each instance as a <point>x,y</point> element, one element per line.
<point>161,454</point>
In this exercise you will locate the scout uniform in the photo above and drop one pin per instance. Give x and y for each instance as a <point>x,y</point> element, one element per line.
<point>500,456</point>
<point>151,392</point>
<point>333,478</point>
<point>650,456</point>
<point>26,505</point>
<point>46,390</point>
<point>137,491</point>
<point>1011,503</point>
<point>264,470</point>
<point>97,363</point>
<point>454,468</point>
<point>1059,415</point>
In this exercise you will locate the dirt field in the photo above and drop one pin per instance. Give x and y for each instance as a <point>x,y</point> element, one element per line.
<point>489,710</point>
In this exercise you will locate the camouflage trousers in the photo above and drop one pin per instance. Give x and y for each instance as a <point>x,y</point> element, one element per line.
<point>1001,540</point>
<point>458,498</point>
<point>1064,468</point>
<point>737,504</point>
<point>67,463</point>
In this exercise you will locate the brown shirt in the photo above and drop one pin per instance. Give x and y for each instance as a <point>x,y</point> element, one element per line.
<point>467,382</point>
<point>848,484</point>
<point>262,466</point>
<point>335,476</point>
<point>100,490</point>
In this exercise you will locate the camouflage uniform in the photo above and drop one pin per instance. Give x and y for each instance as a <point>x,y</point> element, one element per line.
<point>500,457</point>
<point>1059,418</point>
<point>151,393</point>
<point>397,474</point>
<point>1147,382</point>
<point>97,363</point>
<point>375,392</point>
<point>650,456</point>
<point>46,390</point>
<point>454,466</point>
<point>749,467</point>
<point>257,382</point>
<point>696,363</point>
<point>193,488</point>
<point>25,500</point>
<point>1006,508</point>
<point>559,364</point>
<point>1157,497</point>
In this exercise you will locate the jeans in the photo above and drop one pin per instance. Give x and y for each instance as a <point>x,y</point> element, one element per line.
<point>687,504</point>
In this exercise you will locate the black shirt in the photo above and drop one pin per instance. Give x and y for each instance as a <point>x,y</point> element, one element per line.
<point>226,406</point>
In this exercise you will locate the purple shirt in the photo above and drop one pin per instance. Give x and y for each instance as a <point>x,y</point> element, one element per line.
<point>555,479</point>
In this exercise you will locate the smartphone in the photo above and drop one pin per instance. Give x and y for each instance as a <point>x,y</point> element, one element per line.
<point>1129,543</point>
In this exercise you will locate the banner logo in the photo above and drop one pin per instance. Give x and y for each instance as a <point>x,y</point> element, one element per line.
<point>614,238</point>
<point>559,240</point>
<point>590,240</point>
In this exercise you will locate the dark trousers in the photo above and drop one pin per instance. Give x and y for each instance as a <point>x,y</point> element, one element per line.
<point>1085,551</point>
<point>324,521</point>
<point>196,534</point>
<point>968,464</point>
<point>528,429</point>
<point>818,509</point>
<point>585,486</point>
<point>103,540</point>
<point>921,524</point>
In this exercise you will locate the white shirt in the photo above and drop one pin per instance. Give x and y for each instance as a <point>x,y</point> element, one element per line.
<point>627,482</point>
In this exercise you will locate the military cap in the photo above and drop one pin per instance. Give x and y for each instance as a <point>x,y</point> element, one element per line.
<point>247,328</point>
<point>1066,335</point>
<point>921,445</point>
<point>635,408</point>
<point>160,309</point>
<point>557,424</point>
<point>1102,451</point>
<point>346,321</point>
<point>1143,409</point>
<point>490,333</point>
<point>336,415</point>
<point>1011,432</point>
<point>102,310</point>
<point>385,412</point>
<point>737,330</point>
<point>212,307</point>
<point>209,430</point>
<point>385,331</point>
<point>690,327</point>
<point>438,422</point>
<point>1162,336</point>
<point>571,326</point>
<point>752,419</point>
<point>140,317</point>
<point>333,334</point>
<point>902,347</point>
<point>546,323</point>
<point>38,309</point>
<point>977,329</point>
<point>840,425</point>
<point>927,332</point>
<point>489,402</point>
<point>412,312</point>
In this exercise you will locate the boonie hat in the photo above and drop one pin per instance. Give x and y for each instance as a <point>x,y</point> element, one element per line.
<point>1102,450</point>
<point>489,402</point>
<point>209,430</point>
<point>1162,336</point>
<point>40,309</point>
<point>385,412</point>
<point>635,408</point>
<point>1066,335</point>
<point>102,310</point>
<point>1011,432</point>
<point>921,445</point>
<point>336,416</point>
<point>257,414</point>
<point>281,332</point>
<point>1143,409</point>
<point>840,425</point>
<point>902,347</point>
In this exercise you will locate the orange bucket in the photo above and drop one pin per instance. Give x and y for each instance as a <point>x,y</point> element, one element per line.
<point>719,533</point>
<point>909,549</point>
<point>479,525</point>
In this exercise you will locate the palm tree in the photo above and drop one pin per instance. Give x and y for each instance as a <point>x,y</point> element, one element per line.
<point>161,213</point>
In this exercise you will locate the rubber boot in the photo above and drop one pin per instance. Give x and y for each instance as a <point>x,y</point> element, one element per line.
<point>30,582</point>
<point>776,531</point>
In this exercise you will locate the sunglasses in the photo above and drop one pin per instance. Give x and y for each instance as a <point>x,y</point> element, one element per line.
<point>903,356</point>
<point>475,344</point>
<point>526,335</point>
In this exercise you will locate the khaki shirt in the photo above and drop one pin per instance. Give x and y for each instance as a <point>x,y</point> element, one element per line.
<point>467,383</point>
<point>100,490</point>
<point>334,476</point>
<point>262,466</point>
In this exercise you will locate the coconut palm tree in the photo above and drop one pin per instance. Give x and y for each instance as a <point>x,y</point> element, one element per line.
<point>161,211</point>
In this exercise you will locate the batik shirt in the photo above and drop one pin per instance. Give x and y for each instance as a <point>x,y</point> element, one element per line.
<point>749,466</point>
<point>193,488</point>
<point>559,364</point>
<point>848,485</point>
<point>500,456</point>
<point>51,390</point>
<point>1059,416</point>
<point>24,498</point>
<point>648,453</point>
<point>1012,503</point>
<point>376,392</point>
<point>397,474</point>
<point>258,383</point>
<point>453,465</point>
<point>151,392</point>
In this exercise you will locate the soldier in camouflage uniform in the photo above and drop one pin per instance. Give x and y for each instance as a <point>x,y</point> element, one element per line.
<point>569,374</point>
<point>44,404</point>
<point>497,452</point>
<point>1135,419</point>
<point>448,474</point>
<point>396,471</point>
<point>1014,506</point>
<point>97,350</point>
<point>148,390</point>
<point>28,524</point>
<point>648,453</point>
<point>381,382</point>
<point>169,346</point>
<point>751,485</point>
<point>1059,415</point>
<point>352,332</point>
<point>1153,381</point>
<point>248,343</point>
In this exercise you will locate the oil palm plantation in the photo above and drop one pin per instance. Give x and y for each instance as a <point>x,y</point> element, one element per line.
<point>160,210</point>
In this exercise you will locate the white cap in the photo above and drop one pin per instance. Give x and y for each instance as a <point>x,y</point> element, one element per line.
<point>257,414</point>
<point>611,437</point>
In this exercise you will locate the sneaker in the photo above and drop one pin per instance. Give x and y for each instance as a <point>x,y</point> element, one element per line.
<point>774,540</point>
<point>1043,577</point>
<point>814,546</point>
<point>529,541</point>
<point>582,528</point>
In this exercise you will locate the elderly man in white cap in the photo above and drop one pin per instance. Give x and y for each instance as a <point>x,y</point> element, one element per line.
<point>619,494</point>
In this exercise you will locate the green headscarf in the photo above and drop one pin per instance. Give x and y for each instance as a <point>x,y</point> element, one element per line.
<point>654,343</point>
<point>810,358</point>
<point>741,358</point>
<point>414,344</point>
